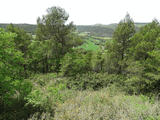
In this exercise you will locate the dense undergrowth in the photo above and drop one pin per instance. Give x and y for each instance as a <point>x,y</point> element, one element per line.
<point>109,103</point>
<point>51,99</point>
<point>48,77</point>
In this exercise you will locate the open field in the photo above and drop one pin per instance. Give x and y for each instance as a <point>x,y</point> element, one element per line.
<point>90,44</point>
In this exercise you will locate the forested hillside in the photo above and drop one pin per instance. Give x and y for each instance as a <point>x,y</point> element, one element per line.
<point>27,27</point>
<point>61,74</point>
<point>94,30</point>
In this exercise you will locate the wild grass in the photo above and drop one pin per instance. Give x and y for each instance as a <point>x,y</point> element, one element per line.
<point>60,103</point>
<point>101,105</point>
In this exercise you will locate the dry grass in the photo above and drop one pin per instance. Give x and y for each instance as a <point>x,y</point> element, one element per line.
<point>100,105</point>
<point>105,104</point>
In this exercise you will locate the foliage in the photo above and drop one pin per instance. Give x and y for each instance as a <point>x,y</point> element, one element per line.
<point>92,80</point>
<point>52,27</point>
<point>29,28</point>
<point>13,87</point>
<point>9,66</point>
<point>122,34</point>
<point>103,30</point>
<point>76,62</point>
<point>96,30</point>
<point>46,92</point>
<point>97,61</point>
<point>41,116</point>
<point>22,41</point>
<point>144,51</point>
<point>100,105</point>
<point>82,78</point>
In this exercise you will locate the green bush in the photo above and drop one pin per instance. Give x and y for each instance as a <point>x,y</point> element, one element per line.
<point>92,80</point>
<point>10,68</point>
<point>45,98</point>
<point>76,62</point>
<point>46,93</point>
<point>13,87</point>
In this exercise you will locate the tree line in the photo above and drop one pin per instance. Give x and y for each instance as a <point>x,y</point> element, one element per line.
<point>130,60</point>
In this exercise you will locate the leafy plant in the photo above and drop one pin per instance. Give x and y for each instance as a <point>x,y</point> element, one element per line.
<point>92,80</point>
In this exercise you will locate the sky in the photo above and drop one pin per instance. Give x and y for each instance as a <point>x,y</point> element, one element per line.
<point>81,12</point>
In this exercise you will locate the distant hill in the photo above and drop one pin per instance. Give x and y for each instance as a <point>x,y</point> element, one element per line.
<point>30,28</point>
<point>102,30</point>
<point>94,30</point>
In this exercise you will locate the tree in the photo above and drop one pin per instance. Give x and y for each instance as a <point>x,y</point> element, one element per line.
<point>144,41</point>
<point>10,70</point>
<point>121,41</point>
<point>22,41</point>
<point>53,28</point>
<point>97,61</point>
<point>76,62</point>
<point>144,50</point>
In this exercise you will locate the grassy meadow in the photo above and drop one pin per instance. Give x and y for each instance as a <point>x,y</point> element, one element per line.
<point>92,43</point>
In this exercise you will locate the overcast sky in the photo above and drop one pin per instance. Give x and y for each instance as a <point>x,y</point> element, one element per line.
<point>81,12</point>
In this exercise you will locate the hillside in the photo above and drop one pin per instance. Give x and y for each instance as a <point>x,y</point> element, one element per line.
<point>27,27</point>
<point>102,30</point>
<point>55,70</point>
<point>93,30</point>
<point>97,30</point>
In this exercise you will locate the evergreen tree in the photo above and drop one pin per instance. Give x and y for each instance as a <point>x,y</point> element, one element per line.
<point>52,27</point>
<point>121,44</point>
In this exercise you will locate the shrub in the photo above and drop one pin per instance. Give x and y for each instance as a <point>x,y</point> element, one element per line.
<point>45,98</point>
<point>47,92</point>
<point>10,69</point>
<point>92,80</point>
<point>13,87</point>
<point>40,116</point>
<point>76,62</point>
<point>100,105</point>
